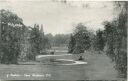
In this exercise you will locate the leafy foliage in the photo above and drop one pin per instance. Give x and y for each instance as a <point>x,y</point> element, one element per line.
<point>18,41</point>
<point>100,40</point>
<point>80,41</point>
<point>71,46</point>
<point>39,42</point>
<point>116,39</point>
<point>11,30</point>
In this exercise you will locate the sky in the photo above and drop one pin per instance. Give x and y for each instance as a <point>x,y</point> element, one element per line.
<point>60,17</point>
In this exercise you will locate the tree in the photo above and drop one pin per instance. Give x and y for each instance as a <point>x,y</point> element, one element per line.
<point>25,46</point>
<point>11,29</point>
<point>35,40</point>
<point>100,40</point>
<point>121,53</point>
<point>82,39</point>
<point>50,39</point>
<point>19,42</point>
<point>39,42</point>
<point>116,39</point>
<point>71,45</point>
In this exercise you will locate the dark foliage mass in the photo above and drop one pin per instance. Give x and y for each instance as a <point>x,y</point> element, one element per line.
<point>116,39</point>
<point>18,41</point>
<point>10,28</point>
<point>80,40</point>
<point>112,40</point>
<point>100,40</point>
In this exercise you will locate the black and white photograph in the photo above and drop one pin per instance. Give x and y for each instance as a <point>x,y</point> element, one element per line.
<point>67,40</point>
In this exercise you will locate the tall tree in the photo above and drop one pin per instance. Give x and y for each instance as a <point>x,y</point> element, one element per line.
<point>11,29</point>
<point>82,39</point>
<point>39,42</point>
<point>35,39</point>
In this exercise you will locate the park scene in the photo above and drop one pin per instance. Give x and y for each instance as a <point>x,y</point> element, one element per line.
<point>63,40</point>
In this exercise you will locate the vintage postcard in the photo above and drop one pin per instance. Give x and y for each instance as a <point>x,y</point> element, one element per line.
<point>63,40</point>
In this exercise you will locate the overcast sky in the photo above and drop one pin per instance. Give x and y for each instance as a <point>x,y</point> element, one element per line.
<point>58,17</point>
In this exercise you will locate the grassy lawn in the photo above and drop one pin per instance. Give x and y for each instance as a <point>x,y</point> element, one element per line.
<point>99,67</point>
